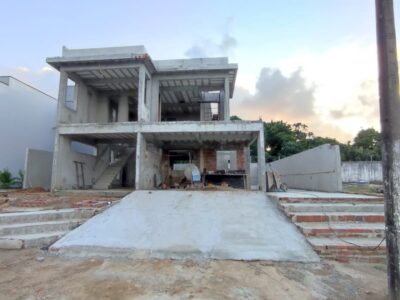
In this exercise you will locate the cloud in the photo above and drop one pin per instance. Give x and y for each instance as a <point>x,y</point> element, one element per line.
<point>279,96</point>
<point>283,97</point>
<point>208,48</point>
<point>225,45</point>
<point>335,91</point>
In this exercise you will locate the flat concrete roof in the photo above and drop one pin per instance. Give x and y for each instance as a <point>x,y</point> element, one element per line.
<point>139,53</point>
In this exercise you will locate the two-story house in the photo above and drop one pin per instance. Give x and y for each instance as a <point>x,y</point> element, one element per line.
<point>139,116</point>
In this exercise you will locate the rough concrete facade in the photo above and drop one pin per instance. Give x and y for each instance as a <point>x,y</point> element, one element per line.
<point>112,99</point>
<point>316,169</point>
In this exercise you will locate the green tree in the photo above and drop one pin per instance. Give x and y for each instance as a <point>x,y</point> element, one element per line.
<point>368,142</point>
<point>6,179</point>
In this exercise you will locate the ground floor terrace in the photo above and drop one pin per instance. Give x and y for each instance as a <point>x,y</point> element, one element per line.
<point>157,155</point>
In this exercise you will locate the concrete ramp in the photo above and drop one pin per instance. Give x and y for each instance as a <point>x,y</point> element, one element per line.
<point>190,225</point>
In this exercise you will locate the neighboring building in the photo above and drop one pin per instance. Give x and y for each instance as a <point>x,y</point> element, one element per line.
<point>27,120</point>
<point>143,119</point>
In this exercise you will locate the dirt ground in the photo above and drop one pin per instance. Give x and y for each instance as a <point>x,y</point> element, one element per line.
<point>20,199</point>
<point>372,189</point>
<point>33,274</point>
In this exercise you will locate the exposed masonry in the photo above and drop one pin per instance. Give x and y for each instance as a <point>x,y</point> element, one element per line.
<point>134,113</point>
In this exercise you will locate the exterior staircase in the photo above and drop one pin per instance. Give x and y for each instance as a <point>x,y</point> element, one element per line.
<point>105,180</point>
<point>39,228</point>
<point>343,229</point>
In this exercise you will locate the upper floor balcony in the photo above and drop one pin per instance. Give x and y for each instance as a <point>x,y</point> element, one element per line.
<point>123,84</point>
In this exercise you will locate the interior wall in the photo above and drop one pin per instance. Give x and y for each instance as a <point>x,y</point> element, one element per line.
<point>64,172</point>
<point>86,105</point>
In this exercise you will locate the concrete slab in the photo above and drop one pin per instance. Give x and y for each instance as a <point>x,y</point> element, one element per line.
<point>237,225</point>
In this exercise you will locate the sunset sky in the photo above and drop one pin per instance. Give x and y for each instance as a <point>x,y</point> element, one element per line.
<point>307,61</point>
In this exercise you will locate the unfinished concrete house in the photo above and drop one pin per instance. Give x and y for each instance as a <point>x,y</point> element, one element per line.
<point>143,121</point>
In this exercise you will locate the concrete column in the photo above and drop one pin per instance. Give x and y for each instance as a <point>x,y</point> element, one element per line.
<point>154,100</point>
<point>247,161</point>
<point>123,109</point>
<point>60,153</point>
<point>261,160</point>
<point>62,94</point>
<point>201,159</point>
<point>202,111</point>
<point>221,110</point>
<point>140,149</point>
<point>226,100</point>
<point>141,94</point>
<point>102,109</point>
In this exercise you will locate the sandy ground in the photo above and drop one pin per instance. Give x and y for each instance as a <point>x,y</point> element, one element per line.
<point>37,198</point>
<point>33,274</point>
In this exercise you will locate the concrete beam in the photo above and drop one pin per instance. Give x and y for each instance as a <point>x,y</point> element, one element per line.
<point>195,88</point>
<point>132,80</point>
<point>197,75</point>
<point>162,127</point>
<point>101,66</point>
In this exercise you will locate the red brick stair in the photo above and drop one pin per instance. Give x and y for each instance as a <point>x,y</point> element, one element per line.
<point>340,228</point>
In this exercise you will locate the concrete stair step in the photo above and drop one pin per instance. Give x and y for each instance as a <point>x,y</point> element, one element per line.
<point>337,217</point>
<point>348,199</point>
<point>347,245</point>
<point>346,258</point>
<point>111,172</point>
<point>333,207</point>
<point>45,215</point>
<point>39,240</point>
<point>343,229</point>
<point>40,227</point>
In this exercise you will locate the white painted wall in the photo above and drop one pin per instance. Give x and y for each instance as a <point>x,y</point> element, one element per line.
<point>27,120</point>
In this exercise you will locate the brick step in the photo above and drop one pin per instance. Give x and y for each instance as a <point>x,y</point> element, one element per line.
<point>366,199</point>
<point>342,229</point>
<point>337,217</point>
<point>372,259</point>
<point>332,207</point>
<point>348,246</point>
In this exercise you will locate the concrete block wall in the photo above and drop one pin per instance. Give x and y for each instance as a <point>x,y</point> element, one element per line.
<point>353,171</point>
<point>316,169</point>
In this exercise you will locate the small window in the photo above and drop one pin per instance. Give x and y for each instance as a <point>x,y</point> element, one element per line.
<point>146,82</point>
<point>71,98</point>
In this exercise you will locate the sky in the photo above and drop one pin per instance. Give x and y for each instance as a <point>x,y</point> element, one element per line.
<point>308,61</point>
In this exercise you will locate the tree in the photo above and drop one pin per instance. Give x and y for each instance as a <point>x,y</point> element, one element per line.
<point>369,142</point>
